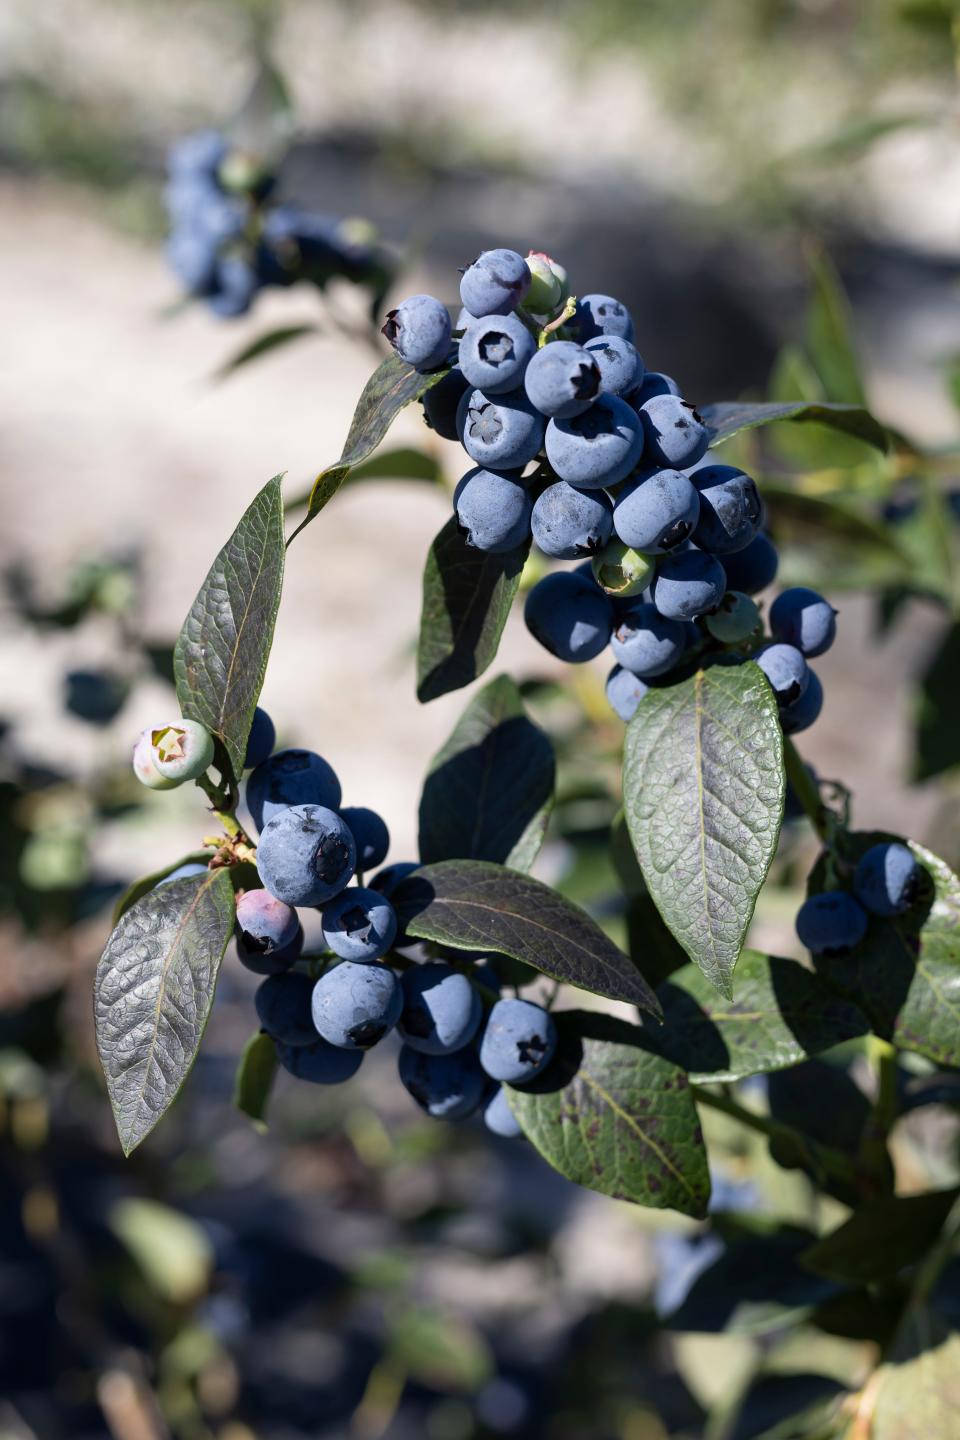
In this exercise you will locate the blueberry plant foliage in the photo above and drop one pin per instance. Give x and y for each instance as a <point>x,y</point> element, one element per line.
<point>579,454</point>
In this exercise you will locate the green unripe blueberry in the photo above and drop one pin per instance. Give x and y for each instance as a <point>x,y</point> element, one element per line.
<point>621,571</point>
<point>544,294</point>
<point>243,173</point>
<point>180,751</point>
<point>562,279</point>
<point>144,768</point>
<point>735,619</point>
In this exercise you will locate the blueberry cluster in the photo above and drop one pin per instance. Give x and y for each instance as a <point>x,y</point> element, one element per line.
<point>461,1040</point>
<point>886,883</point>
<point>670,543</point>
<point>229,238</point>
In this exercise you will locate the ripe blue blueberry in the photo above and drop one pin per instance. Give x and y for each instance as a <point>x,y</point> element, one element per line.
<point>200,153</point>
<point>237,283</point>
<point>260,741</point>
<point>282,1003</point>
<point>519,1041</point>
<point>786,670</point>
<point>493,510</point>
<point>753,568</point>
<point>568,523</point>
<point>570,616</point>
<point>503,433</point>
<point>441,1009</point>
<point>356,1004</point>
<point>359,924</point>
<point>601,315</point>
<point>624,691</point>
<point>266,927</point>
<point>306,855</point>
<point>320,1063</point>
<point>620,571</point>
<point>291,777</point>
<point>387,880</point>
<point>495,352</point>
<point>688,585</point>
<point>801,713</point>
<point>420,331</point>
<point>735,619</point>
<point>599,447</point>
<point>803,618</point>
<point>484,974</point>
<point>495,283</point>
<point>370,835</point>
<point>192,256</point>
<point>831,923</point>
<point>645,642</point>
<point>498,1117</point>
<point>562,379</point>
<point>620,365</point>
<point>673,433</point>
<point>653,383</point>
<point>730,509</point>
<point>656,512</point>
<point>448,1087</point>
<point>440,403</point>
<point>887,878</point>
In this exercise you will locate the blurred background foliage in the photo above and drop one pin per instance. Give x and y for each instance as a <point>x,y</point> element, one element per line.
<point>772,188</point>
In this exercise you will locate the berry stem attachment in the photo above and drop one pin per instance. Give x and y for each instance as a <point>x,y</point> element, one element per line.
<point>567,313</point>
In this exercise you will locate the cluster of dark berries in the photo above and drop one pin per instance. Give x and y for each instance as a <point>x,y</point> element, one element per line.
<point>229,238</point>
<point>461,1041</point>
<point>670,544</point>
<point>887,881</point>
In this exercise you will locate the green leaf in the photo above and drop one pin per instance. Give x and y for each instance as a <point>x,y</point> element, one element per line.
<point>917,1392</point>
<point>755,1284</point>
<point>438,1348</point>
<point>467,597</point>
<point>622,1120</point>
<point>829,334</point>
<point>472,905</point>
<point>782,1013</point>
<point>271,340</point>
<point>796,1406</point>
<point>171,1249</point>
<point>726,418</point>
<point>140,887</point>
<point>254,1078</point>
<point>402,463</point>
<point>391,387</point>
<point>221,653</point>
<point>153,992</point>
<point>703,791</point>
<point>489,791</point>
<point>937,744</point>
<point>881,1238</point>
<point>828,542</point>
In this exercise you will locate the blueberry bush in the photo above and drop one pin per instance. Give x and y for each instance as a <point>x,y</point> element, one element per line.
<point>576,448</point>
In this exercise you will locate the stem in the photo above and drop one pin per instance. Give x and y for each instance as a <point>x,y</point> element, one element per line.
<point>827,1162</point>
<point>806,790</point>
<point>884,1057</point>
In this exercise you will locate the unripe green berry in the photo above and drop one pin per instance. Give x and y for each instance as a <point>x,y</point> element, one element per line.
<point>621,571</point>
<point>181,751</point>
<point>243,173</point>
<point>735,619</point>
<point>144,768</point>
<point>544,294</point>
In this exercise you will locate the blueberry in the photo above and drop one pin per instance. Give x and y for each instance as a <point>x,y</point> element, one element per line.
<point>265,924</point>
<point>519,1040</point>
<point>887,878</point>
<point>546,291</point>
<point>370,835</point>
<point>495,283</point>
<point>441,1009</point>
<point>597,448</point>
<point>386,882</point>
<point>803,618</point>
<point>359,924</point>
<point>356,1004</point>
<point>495,352</point>
<point>654,383</point>
<point>419,331</point>
<point>306,855</point>
<point>448,1087</point>
<point>143,766</point>
<point>656,512</point>
<point>320,1063</point>
<point>568,523</point>
<point>801,714</point>
<point>621,368</point>
<point>730,509</point>
<point>493,510</point>
<point>753,568</point>
<point>673,432</point>
<point>570,616</point>
<point>502,433</point>
<point>192,256</point>
<point>181,750</point>
<point>498,1117</point>
<point>735,619</point>
<point>624,691</point>
<point>260,741</point>
<point>645,642</point>
<point>283,1008</point>
<point>192,867</point>
<point>786,670</point>
<point>562,380</point>
<point>688,585</point>
<point>237,283</point>
<point>200,153</point>
<point>484,974</point>
<point>620,572</point>
<point>440,403</point>
<point>601,315</point>
<point>291,777</point>
<point>831,923</point>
